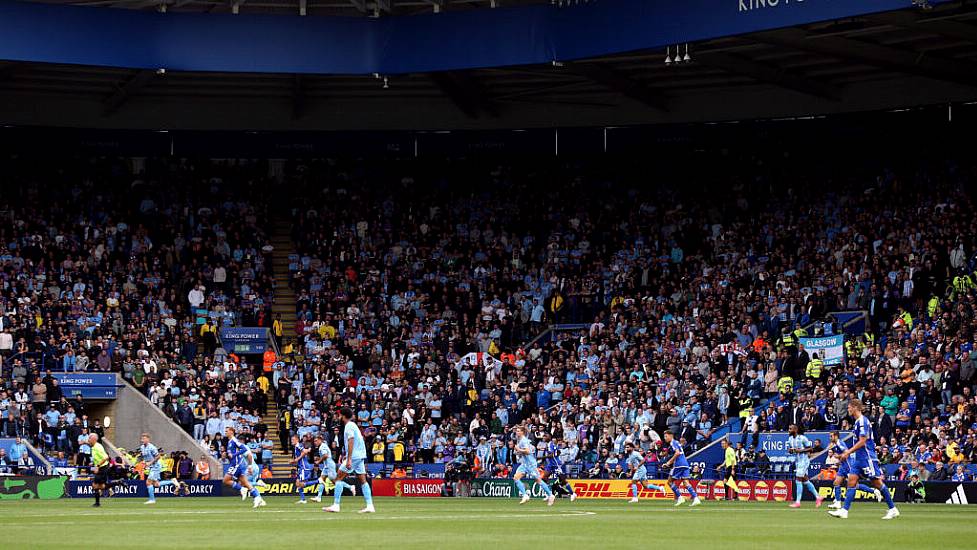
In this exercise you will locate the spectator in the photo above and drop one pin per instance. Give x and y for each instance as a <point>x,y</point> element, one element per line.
<point>939,473</point>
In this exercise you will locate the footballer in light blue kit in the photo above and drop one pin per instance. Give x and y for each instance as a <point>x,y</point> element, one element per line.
<point>240,457</point>
<point>799,447</point>
<point>528,468</point>
<point>154,469</point>
<point>639,473</point>
<point>679,476</point>
<point>863,463</point>
<point>327,470</point>
<point>837,448</point>
<point>303,468</point>
<point>253,475</point>
<point>353,464</point>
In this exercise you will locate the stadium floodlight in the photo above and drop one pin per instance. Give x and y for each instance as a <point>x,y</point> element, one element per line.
<point>668,55</point>
<point>923,4</point>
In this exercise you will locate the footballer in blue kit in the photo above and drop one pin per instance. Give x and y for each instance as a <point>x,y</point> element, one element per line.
<point>680,472</point>
<point>303,468</point>
<point>837,447</point>
<point>353,464</point>
<point>799,447</point>
<point>639,473</point>
<point>240,457</point>
<point>154,469</point>
<point>554,468</point>
<point>528,468</point>
<point>863,463</point>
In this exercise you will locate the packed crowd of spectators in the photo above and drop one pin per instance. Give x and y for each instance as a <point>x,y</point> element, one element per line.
<point>685,303</point>
<point>683,300</point>
<point>110,266</point>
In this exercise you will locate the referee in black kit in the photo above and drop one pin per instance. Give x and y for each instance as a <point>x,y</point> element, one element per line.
<point>100,468</point>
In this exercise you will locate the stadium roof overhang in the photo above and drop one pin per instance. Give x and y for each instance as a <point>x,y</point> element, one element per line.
<point>581,65</point>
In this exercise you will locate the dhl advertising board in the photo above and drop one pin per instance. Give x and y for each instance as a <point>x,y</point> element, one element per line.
<point>755,490</point>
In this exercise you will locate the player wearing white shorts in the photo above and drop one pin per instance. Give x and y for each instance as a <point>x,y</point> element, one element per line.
<point>354,464</point>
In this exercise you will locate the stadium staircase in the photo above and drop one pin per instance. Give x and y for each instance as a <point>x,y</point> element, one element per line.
<point>284,305</point>
<point>280,457</point>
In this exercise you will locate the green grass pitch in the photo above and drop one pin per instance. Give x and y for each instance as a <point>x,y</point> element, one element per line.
<point>400,523</point>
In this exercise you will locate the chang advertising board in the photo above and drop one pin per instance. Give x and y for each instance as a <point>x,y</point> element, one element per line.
<point>244,340</point>
<point>503,488</point>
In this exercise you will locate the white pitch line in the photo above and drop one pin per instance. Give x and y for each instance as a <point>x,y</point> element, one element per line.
<point>155,512</point>
<point>327,517</point>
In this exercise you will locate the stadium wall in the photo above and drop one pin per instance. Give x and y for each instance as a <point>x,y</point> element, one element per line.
<point>391,45</point>
<point>160,111</point>
<point>132,414</point>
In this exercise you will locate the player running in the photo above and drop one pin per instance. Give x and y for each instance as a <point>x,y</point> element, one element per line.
<point>800,448</point>
<point>863,462</point>
<point>303,468</point>
<point>253,473</point>
<point>554,468</point>
<point>528,467</point>
<point>837,447</point>
<point>327,471</point>
<point>639,472</point>
<point>240,458</point>
<point>353,464</point>
<point>154,469</point>
<point>680,471</point>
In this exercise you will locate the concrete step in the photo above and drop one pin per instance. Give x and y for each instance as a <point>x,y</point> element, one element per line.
<point>284,305</point>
